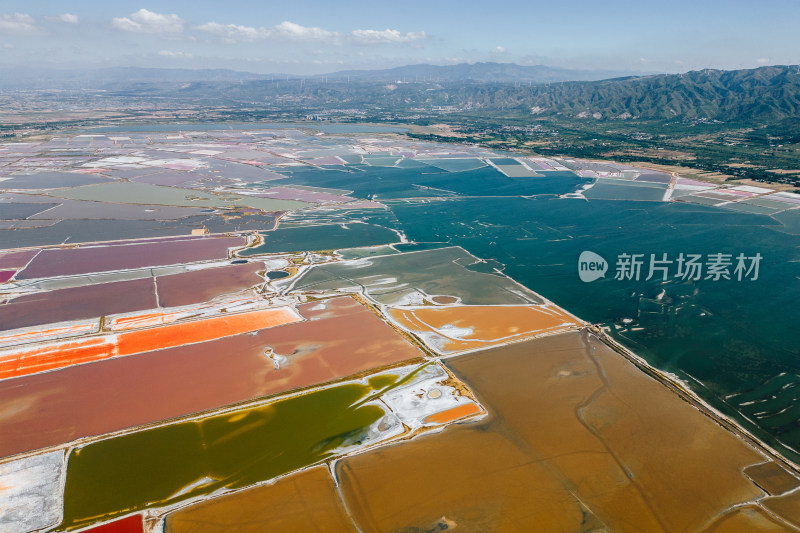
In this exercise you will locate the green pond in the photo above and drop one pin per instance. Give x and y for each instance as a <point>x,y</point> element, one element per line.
<point>169,464</point>
<point>371,251</point>
<point>323,237</point>
<point>392,279</point>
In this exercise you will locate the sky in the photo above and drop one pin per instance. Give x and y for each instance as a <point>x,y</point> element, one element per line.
<point>314,37</point>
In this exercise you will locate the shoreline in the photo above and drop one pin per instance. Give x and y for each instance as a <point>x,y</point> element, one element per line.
<point>688,395</point>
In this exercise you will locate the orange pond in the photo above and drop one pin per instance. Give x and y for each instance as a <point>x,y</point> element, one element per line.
<point>455,413</point>
<point>455,329</point>
<point>29,360</point>
<point>203,310</point>
<point>55,407</point>
<point>577,439</point>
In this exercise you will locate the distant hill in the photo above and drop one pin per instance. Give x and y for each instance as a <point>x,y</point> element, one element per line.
<point>753,94</point>
<point>37,78</point>
<point>765,93</point>
<point>761,94</point>
<point>479,72</point>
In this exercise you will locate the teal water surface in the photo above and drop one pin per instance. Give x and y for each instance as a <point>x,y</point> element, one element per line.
<point>733,341</point>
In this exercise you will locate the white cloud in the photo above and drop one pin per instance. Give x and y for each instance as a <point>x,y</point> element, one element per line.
<point>498,50</point>
<point>386,36</point>
<point>234,33</point>
<point>144,21</point>
<point>20,23</point>
<point>296,31</point>
<point>762,60</point>
<point>170,53</point>
<point>69,18</point>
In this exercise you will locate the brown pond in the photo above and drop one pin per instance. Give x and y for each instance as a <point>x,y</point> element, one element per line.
<point>747,519</point>
<point>470,477</point>
<point>302,502</point>
<point>787,506</point>
<point>772,478</point>
<point>577,438</point>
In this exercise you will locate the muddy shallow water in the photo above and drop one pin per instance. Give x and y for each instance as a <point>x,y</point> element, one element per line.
<point>308,498</point>
<point>577,438</point>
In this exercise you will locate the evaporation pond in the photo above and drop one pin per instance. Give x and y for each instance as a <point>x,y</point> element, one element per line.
<point>323,237</point>
<point>168,464</point>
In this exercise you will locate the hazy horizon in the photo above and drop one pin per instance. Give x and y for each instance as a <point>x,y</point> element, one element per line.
<point>316,37</point>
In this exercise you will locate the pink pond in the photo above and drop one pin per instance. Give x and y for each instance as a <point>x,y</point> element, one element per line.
<point>88,259</point>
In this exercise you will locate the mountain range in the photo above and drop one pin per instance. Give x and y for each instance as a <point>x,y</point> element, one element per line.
<point>765,93</point>
<point>37,78</point>
<point>480,72</point>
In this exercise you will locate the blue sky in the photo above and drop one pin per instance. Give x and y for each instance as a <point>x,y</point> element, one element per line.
<point>310,37</point>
